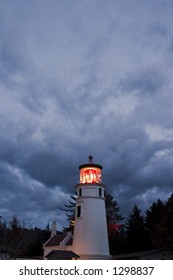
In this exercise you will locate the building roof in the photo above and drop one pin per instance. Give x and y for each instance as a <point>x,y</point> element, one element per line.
<point>70,242</point>
<point>64,254</point>
<point>56,239</point>
<point>90,164</point>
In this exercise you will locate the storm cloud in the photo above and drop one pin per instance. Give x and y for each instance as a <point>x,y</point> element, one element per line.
<point>81,77</point>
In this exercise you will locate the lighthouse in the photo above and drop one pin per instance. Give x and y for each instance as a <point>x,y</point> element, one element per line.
<point>90,239</point>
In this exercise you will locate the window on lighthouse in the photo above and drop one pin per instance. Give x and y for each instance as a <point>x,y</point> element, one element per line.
<point>80,192</point>
<point>91,175</point>
<point>100,192</point>
<point>78,211</point>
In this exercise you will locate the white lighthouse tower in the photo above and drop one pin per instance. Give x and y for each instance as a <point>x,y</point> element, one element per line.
<point>90,239</point>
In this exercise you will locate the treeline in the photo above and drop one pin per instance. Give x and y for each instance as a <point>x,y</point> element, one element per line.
<point>18,241</point>
<point>140,232</point>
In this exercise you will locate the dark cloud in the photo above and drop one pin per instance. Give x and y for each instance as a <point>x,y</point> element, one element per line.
<point>146,82</point>
<point>76,79</point>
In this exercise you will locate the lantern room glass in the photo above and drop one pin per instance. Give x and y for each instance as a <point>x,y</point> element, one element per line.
<point>90,175</point>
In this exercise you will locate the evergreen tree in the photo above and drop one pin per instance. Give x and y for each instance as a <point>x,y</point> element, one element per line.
<point>165,227</point>
<point>115,227</point>
<point>136,234</point>
<point>2,231</point>
<point>21,241</point>
<point>69,209</point>
<point>14,223</point>
<point>112,210</point>
<point>154,217</point>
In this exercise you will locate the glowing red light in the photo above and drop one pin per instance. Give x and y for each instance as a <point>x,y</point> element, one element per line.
<point>90,175</point>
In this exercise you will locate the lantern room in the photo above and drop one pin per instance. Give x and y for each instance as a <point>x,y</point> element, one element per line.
<point>90,173</point>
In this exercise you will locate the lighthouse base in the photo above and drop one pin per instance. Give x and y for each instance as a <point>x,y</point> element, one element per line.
<point>95,257</point>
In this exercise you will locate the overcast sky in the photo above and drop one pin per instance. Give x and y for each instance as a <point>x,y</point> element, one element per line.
<point>80,77</point>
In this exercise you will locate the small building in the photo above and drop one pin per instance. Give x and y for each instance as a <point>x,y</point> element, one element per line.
<point>58,242</point>
<point>61,255</point>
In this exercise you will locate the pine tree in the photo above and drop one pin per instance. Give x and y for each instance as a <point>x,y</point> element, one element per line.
<point>165,227</point>
<point>14,223</point>
<point>154,217</point>
<point>112,210</point>
<point>115,227</point>
<point>136,234</point>
<point>69,209</point>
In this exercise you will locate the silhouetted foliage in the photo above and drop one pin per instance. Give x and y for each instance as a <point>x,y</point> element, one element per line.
<point>139,232</point>
<point>115,226</point>
<point>165,226</point>
<point>69,209</point>
<point>136,233</point>
<point>154,217</point>
<point>112,210</point>
<point>21,241</point>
